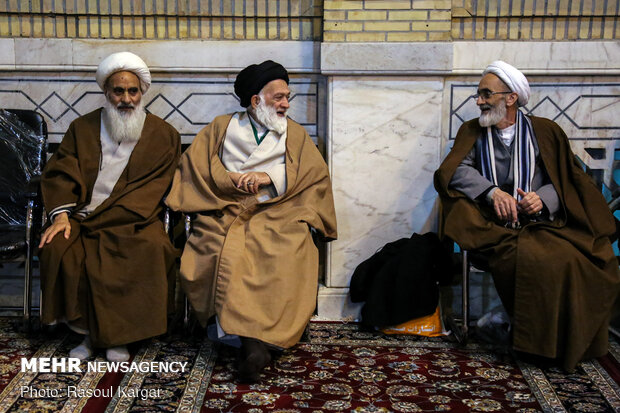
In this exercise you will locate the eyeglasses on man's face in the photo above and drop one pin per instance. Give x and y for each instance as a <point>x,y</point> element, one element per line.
<point>486,94</point>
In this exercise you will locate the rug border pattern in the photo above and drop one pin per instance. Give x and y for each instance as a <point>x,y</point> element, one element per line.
<point>199,379</point>
<point>603,381</point>
<point>542,388</point>
<point>10,394</point>
<point>88,381</point>
<point>121,402</point>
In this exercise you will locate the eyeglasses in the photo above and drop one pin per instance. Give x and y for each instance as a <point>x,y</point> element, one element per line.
<point>486,94</point>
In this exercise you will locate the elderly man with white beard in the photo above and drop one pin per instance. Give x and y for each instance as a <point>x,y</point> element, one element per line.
<point>512,190</point>
<point>105,258</point>
<point>257,186</point>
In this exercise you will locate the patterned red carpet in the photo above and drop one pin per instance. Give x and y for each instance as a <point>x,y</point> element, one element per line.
<point>339,369</point>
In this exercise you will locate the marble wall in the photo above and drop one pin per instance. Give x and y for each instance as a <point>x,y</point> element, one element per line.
<point>188,102</point>
<point>383,149</point>
<point>394,111</point>
<point>384,115</point>
<point>192,82</point>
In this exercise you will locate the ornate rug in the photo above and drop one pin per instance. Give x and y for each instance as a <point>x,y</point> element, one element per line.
<point>340,368</point>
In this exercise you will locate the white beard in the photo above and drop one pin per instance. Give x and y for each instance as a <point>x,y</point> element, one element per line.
<point>124,126</point>
<point>268,116</point>
<point>493,116</point>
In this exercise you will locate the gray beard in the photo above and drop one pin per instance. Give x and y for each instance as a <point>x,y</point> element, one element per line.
<point>268,116</point>
<point>493,116</point>
<point>124,127</point>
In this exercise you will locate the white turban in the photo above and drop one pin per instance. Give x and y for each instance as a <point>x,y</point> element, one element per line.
<point>123,61</point>
<point>512,77</point>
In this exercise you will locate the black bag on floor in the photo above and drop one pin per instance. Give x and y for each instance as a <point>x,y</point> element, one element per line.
<point>399,282</point>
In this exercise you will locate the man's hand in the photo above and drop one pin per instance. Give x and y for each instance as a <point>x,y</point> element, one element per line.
<point>61,224</point>
<point>505,206</point>
<point>250,181</point>
<point>235,177</point>
<point>530,202</point>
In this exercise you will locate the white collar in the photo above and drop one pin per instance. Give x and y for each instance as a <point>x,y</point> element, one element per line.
<point>506,135</point>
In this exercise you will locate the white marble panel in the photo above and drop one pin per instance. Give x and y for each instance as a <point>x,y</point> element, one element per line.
<point>385,141</point>
<point>406,58</point>
<point>188,102</point>
<point>43,52</point>
<point>335,304</point>
<point>540,57</point>
<point>202,55</point>
<point>7,54</point>
<point>386,58</point>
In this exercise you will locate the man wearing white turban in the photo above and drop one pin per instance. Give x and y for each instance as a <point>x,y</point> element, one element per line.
<point>512,191</point>
<point>105,258</point>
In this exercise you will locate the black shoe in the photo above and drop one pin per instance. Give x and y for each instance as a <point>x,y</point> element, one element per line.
<point>253,357</point>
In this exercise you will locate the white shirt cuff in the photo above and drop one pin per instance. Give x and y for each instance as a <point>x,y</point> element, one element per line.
<point>59,209</point>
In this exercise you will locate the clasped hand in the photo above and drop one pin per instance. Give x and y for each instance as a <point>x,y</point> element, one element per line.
<point>507,208</point>
<point>250,181</point>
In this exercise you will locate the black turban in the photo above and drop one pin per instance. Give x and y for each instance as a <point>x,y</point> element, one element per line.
<point>251,80</point>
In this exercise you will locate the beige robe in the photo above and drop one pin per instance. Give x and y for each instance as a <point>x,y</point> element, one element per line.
<point>111,276</point>
<point>253,264</point>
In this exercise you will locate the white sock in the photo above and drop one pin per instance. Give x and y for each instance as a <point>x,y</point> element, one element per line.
<point>83,351</point>
<point>118,353</point>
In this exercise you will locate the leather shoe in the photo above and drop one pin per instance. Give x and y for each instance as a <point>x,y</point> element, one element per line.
<point>253,358</point>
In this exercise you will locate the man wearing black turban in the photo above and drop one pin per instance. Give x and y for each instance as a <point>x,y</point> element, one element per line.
<point>257,184</point>
<point>251,80</point>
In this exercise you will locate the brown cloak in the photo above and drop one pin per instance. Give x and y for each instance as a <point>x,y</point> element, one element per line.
<point>565,274</point>
<point>253,264</point>
<point>111,275</point>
